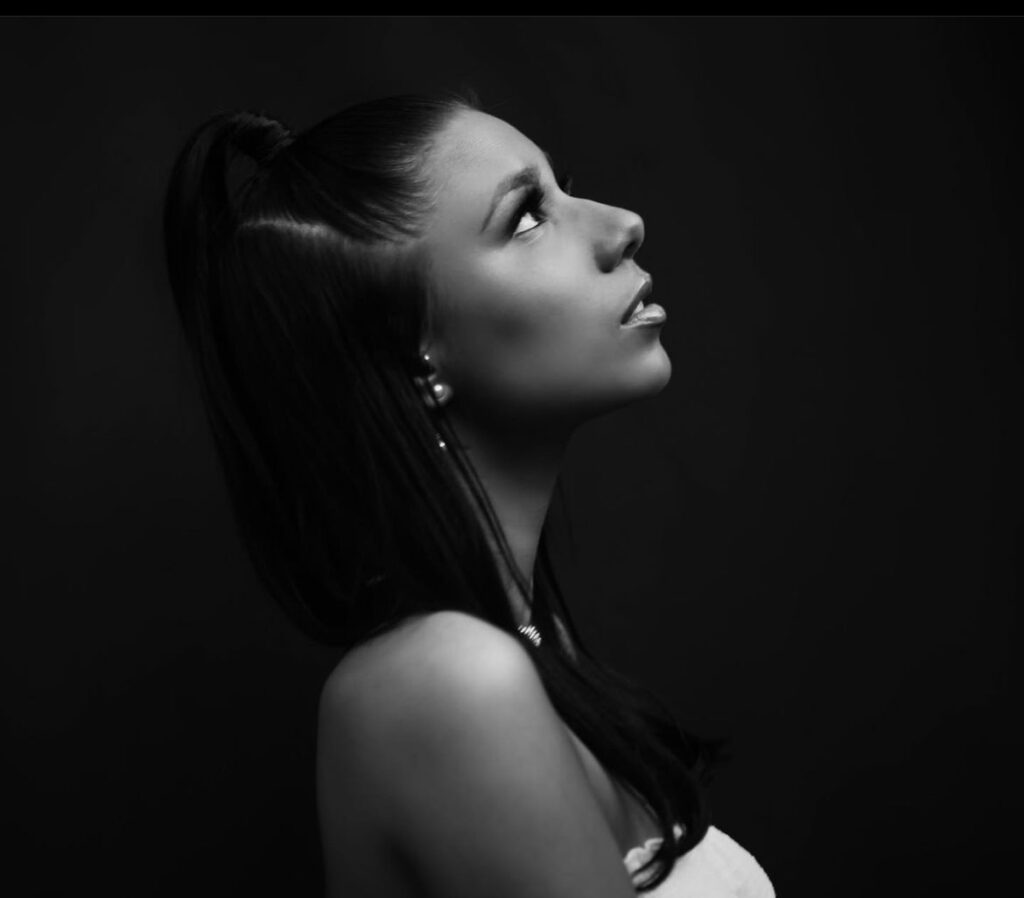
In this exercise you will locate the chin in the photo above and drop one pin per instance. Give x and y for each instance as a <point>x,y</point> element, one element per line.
<point>657,371</point>
<point>648,379</point>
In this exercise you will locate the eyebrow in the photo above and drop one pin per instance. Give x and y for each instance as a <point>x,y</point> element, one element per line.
<point>525,177</point>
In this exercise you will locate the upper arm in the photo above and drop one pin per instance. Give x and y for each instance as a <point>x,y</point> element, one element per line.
<point>478,781</point>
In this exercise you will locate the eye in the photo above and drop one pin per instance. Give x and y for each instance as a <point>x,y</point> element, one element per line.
<point>527,215</point>
<point>531,210</point>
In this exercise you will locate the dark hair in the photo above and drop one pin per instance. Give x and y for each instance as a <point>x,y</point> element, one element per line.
<point>304,300</point>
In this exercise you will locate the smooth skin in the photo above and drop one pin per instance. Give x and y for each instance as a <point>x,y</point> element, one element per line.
<point>442,767</point>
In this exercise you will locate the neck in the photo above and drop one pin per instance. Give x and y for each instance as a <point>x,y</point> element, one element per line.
<point>518,472</point>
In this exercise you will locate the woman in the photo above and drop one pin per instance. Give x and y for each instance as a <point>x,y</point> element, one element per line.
<point>400,316</point>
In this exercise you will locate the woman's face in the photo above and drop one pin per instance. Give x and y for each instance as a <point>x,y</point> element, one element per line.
<point>530,286</point>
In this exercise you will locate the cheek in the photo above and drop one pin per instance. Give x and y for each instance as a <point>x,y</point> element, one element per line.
<point>526,358</point>
<point>529,319</point>
<point>524,336</point>
<point>496,334</point>
<point>511,326</point>
<point>497,310</point>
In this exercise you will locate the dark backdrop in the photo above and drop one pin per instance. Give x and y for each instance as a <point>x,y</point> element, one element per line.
<point>806,542</point>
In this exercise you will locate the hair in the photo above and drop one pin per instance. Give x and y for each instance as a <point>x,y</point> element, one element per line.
<point>294,267</point>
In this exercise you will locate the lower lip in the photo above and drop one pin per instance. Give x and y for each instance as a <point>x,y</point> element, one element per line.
<point>653,314</point>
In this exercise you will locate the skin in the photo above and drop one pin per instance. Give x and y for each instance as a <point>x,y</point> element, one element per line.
<point>527,337</point>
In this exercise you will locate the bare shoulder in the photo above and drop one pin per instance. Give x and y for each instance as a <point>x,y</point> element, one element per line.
<point>444,728</point>
<point>431,680</point>
<point>391,716</point>
<point>433,658</point>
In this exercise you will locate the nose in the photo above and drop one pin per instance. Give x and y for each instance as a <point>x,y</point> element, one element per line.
<point>619,238</point>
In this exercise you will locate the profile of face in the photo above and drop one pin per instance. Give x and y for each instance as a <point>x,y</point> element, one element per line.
<point>530,285</point>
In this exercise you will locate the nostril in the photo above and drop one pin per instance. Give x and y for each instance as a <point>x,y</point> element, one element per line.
<point>636,229</point>
<point>621,236</point>
<point>633,235</point>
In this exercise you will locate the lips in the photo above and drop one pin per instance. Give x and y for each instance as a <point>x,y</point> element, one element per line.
<point>641,295</point>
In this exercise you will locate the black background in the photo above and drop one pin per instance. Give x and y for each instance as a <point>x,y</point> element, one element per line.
<point>806,542</point>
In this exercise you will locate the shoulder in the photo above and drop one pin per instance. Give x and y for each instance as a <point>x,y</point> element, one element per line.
<point>440,681</point>
<point>419,704</point>
<point>443,729</point>
<point>433,658</point>
<point>396,718</point>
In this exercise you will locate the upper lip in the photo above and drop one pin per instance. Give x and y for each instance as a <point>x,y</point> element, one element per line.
<point>641,294</point>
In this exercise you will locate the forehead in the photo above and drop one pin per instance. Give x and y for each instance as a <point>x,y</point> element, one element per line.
<point>472,153</point>
<point>472,137</point>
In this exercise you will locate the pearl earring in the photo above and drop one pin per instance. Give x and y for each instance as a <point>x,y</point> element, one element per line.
<point>441,393</point>
<point>441,390</point>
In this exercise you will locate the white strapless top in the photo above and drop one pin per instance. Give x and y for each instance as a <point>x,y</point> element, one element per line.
<point>716,867</point>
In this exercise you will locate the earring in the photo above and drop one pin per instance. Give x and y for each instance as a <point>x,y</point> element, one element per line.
<point>441,394</point>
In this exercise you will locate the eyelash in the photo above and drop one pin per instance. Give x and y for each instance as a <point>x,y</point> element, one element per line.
<point>534,201</point>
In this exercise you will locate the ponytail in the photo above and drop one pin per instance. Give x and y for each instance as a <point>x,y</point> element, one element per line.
<point>201,206</point>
